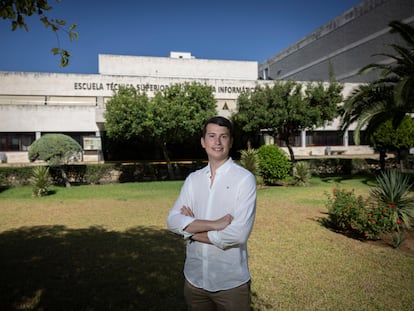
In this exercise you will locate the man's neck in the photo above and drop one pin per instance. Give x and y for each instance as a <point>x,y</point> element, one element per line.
<point>214,165</point>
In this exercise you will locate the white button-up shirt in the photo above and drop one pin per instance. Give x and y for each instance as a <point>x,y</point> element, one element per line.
<point>222,265</point>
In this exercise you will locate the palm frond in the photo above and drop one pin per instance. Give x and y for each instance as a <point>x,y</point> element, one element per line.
<point>404,30</point>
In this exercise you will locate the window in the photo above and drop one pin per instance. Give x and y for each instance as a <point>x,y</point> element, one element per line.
<point>323,138</point>
<point>295,140</point>
<point>16,141</point>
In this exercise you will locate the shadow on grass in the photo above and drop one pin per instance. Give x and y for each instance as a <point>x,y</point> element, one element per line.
<point>3,188</point>
<point>326,223</point>
<point>57,268</point>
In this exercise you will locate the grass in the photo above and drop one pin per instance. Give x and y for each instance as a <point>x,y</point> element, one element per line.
<point>107,248</point>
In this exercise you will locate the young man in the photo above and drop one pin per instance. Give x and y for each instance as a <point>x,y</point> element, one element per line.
<point>215,212</point>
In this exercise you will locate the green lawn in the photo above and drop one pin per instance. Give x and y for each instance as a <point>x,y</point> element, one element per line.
<point>107,248</point>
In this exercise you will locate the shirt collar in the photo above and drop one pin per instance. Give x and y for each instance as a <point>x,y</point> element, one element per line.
<point>223,168</point>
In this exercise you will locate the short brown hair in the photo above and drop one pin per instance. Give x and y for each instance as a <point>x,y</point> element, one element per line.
<point>221,121</point>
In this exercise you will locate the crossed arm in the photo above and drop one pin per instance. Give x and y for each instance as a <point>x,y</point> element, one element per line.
<point>199,228</point>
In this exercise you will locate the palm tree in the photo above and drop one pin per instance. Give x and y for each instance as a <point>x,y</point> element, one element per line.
<point>389,97</point>
<point>368,106</point>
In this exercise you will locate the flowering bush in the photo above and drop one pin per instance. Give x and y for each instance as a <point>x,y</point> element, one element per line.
<point>389,209</point>
<point>344,209</point>
<point>376,220</point>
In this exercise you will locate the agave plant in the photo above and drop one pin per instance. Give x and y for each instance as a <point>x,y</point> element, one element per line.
<point>301,173</point>
<point>393,193</point>
<point>249,159</point>
<point>40,181</point>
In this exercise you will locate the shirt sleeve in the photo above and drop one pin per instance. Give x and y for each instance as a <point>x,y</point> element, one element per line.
<point>176,221</point>
<point>239,230</point>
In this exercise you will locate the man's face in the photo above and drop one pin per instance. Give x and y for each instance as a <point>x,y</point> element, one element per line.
<point>217,142</point>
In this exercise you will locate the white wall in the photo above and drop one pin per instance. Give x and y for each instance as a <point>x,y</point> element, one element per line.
<point>177,67</point>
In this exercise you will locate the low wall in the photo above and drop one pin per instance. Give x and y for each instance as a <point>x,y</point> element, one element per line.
<point>349,151</point>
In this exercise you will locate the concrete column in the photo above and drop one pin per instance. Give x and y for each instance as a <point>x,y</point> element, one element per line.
<point>38,135</point>
<point>303,138</point>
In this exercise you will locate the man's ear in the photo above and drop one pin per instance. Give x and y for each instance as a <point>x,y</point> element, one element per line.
<point>202,142</point>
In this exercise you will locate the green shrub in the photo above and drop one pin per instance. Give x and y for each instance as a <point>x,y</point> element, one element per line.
<point>274,164</point>
<point>4,183</point>
<point>301,173</point>
<point>94,173</point>
<point>40,181</point>
<point>359,166</point>
<point>15,176</point>
<point>345,210</point>
<point>56,149</point>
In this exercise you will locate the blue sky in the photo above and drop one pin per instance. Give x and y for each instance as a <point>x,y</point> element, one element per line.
<point>226,29</point>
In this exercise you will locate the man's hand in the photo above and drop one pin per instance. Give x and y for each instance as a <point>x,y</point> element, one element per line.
<point>223,222</point>
<point>185,210</point>
<point>218,225</point>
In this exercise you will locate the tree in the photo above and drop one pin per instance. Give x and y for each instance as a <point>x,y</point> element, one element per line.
<point>401,72</point>
<point>368,107</point>
<point>174,115</point>
<point>17,10</point>
<point>57,150</point>
<point>287,108</point>
<point>180,112</point>
<point>128,114</point>
<point>399,140</point>
<point>389,97</point>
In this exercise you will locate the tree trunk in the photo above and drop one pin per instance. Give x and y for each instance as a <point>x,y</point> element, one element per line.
<point>292,155</point>
<point>65,177</point>
<point>285,136</point>
<point>168,160</point>
<point>402,158</point>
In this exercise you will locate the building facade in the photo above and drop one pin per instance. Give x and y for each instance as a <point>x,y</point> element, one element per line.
<point>343,46</point>
<point>33,104</point>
